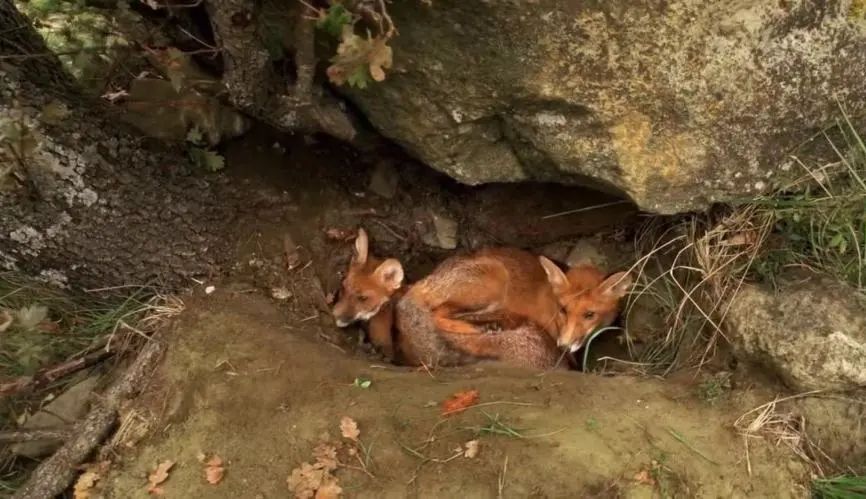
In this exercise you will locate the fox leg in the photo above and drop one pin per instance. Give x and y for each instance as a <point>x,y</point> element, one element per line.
<point>380,330</point>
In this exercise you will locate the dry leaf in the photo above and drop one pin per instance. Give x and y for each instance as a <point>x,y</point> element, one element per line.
<point>85,482</point>
<point>158,476</point>
<point>329,490</point>
<point>471,449</point>
<point>336,234</point>
<point>326,456</point>
<point>214,474</point>
<point>115,96</point>
<point>380,58</point>
<point>201,457</point>
<point>460,401</point>
<point>349,428</point>
<point>645,478</point>
<point>214,470</point>
<point>5,320</point>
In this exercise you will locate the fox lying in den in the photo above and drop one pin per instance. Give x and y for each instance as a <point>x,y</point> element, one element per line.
<point>498,303</point>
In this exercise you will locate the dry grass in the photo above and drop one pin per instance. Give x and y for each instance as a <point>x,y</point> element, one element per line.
<point>692,267</point>
<point>772,422</point>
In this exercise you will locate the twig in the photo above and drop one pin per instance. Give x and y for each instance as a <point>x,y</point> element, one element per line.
<point>56,473</point>
<point>501,481</point>
<point>580,210</point>
<point>52,374</point>
<point>7,437</point>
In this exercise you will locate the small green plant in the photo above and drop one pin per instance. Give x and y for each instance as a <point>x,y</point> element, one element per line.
<point>714,388</point>
<point>820,221</point>
<point>592,424</point>
<point>362,382</point>
<point>202,156</point>
<point>496,426</point>
<point>840,487</point>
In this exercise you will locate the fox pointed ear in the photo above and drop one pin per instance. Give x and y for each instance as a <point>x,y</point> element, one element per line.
<point>362,244</point>
<point>390,274</point>
<point>617,285</point>
<point>555,275</point>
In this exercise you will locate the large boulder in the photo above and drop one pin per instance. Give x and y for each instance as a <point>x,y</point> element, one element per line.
<point>676,103</point>
<point>812,333</point>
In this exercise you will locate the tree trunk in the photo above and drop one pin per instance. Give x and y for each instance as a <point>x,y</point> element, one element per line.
<point>83,201</point>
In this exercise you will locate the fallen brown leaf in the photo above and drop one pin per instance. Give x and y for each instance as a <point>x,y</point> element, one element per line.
<point>329,490</point>
<point>158,476</point>
<point>459,402</point>
<point>471,449</point>
<point>326,456</point>
<point>214,470</point>
<point>349,428</point>
<point>84,484</point>
<point>644,477</point>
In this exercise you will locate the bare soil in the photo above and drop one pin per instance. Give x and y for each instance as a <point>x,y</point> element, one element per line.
<point>262,381</point>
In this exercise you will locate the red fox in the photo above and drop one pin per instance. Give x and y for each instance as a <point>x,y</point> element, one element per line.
<point>367,294</point>
<point>589,300</point>
<point>441,319</point>
<point>510,287</point>
<point>372,286</point>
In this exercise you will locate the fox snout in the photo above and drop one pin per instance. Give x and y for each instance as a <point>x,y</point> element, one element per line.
<point>345,314</point>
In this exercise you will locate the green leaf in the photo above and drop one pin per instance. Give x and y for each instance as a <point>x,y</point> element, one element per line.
<point>359,78</point>
<point>29,317</point>
<point>206,159</point>
<point>333,20</point>
<point>837,241</point>
<point>195,136</point>
<point>362,383</point>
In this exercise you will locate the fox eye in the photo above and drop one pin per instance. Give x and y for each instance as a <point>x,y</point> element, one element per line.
<point>589,314</point>
<point>362,298</point>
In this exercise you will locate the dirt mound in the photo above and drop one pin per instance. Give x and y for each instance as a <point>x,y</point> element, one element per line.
<point>241,383</point>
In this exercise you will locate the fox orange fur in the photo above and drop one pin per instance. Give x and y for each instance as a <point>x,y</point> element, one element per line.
<point>372,286</point>
<point>367,294</point>
<point>444,318</point>
<point>511,287</point>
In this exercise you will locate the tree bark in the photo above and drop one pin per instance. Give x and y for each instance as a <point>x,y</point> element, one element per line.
<point>90,204</point>
<point>254,87</point>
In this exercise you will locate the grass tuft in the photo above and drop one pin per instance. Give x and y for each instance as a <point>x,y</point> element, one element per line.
<point>840,487</point>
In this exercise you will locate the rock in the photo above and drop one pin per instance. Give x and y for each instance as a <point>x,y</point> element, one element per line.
<point>586,252</point>
<point>677,104</point>
<point>68,407</point>
<point>835,425</point>
<point>149,110</point>
<point>384,180</point>
<point>811,333</point>
<point>444,233</point>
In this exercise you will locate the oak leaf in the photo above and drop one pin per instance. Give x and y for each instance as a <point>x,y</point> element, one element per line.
<point>158,476</point>
<point>349,428</point>
<point>459,402</point>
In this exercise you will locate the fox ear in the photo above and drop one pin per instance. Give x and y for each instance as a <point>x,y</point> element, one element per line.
<point>390,274</point>
<point>361,246</point>
<point>555,275</point>
<point>617,285</point>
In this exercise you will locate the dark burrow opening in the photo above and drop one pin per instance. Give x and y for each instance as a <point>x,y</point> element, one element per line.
<point>316,193</point>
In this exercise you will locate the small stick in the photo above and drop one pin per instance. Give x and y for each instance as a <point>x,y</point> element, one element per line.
<point>502,478</point>
<point>51,374</point>
<point>580,210</point>
<point>10,437</point>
